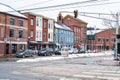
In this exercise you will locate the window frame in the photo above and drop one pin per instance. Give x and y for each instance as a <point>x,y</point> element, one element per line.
<point>11,33</point>
<point>12,21</point>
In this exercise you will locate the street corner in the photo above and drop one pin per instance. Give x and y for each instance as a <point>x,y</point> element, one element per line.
<point>108,62</point>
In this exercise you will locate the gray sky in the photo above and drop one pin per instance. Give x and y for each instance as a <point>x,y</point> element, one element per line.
<point>104,6</point>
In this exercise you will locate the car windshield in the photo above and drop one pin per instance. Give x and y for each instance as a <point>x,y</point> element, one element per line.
<point>22,51</point>
<point>44,49</point>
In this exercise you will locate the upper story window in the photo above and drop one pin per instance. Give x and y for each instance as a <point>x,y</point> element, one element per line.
<point>39,22</point>
<point>107,40</point>
<point>37,34</point>
<point>99,39</point>
<point>20,33</point>
<point>12,21</point>
<point>44,35</point>
<point>113,39</point>
<point>11,32</point>
<point>31,33</point>
<point>49,35</point>
<point>49,25</point>
<point>45,24</point>
<point>20,23</point>
<point>31,21</point>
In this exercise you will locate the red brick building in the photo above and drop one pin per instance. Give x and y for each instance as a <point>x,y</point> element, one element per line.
<point>13,33</point>
<point>40,31</point>
<point>104,40</point>
<point>79,27</point>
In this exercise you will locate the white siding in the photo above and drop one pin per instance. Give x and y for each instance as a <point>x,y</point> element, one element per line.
<point>38,28</point>
<point>50,30</point>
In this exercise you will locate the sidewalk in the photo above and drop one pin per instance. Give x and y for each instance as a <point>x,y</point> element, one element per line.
<point>37,59</point>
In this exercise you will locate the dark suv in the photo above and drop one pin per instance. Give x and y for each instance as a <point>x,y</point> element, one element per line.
<point>45,52</point>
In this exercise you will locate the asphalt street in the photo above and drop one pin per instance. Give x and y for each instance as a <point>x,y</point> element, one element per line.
<point>89,68</point>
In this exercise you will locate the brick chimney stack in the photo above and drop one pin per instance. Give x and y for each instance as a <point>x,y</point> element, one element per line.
<point>60,18</point>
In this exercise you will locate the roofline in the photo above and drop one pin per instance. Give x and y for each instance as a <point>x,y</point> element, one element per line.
<point>105,30</point>
<point>76,19</point>
<point>35,14</point>
<point>64,29</point>
<point>13,15</point>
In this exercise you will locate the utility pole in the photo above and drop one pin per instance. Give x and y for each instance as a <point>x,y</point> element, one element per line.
<point>117,33</point>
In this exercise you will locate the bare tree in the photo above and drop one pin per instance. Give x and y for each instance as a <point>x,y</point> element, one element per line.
<point>110,21</point>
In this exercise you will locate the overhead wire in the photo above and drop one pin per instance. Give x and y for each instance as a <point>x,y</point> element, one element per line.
<point>36,3</point>
<point>62,5</point>
<point>56,8</point>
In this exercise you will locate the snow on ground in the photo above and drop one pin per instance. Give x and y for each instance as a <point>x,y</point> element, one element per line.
<point>70,56</point>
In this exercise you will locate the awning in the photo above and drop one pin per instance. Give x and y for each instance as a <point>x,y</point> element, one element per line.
<point>42,43</point>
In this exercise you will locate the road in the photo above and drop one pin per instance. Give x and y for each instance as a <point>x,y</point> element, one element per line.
<point>94,68</point>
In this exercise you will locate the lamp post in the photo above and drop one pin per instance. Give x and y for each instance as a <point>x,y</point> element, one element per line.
<point>29,42</point>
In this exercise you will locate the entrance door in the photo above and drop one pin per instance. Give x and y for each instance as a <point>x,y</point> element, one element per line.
<point>14,48</point>
<point>7,48</point>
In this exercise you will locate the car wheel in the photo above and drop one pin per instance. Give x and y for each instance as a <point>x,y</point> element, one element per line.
<point>31,55</point>
<point>45,54</point>
<point>23,56</point>
<point>50,54</point>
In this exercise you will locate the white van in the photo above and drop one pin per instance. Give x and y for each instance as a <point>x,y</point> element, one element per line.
<point>64,51</point>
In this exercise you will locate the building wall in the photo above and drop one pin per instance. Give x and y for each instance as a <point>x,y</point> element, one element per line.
<point>50,30</point>
<point>31,27</point>
<point>45,30</point>
<point>63,37</point>
<point>104,40</point>
<point>40,30</point>
<point>79,27</point>
<point>39,25</point>
<point>5,39</point>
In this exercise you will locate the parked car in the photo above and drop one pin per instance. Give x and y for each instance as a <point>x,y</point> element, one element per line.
<point>58,52</point>
<point>70,50</point>
<point>25,53</point>
<point>75,50</point>
<point>45,52</point>
<point>81,51</point>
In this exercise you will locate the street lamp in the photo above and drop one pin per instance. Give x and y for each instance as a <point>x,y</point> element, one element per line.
<point>29,42</point>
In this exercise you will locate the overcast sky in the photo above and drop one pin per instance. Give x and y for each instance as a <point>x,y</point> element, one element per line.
<point>105,6</point>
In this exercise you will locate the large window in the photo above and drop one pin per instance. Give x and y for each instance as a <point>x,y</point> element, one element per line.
<point>20,23</point>
<point>44,35</point>
<point>49,25</point>
<point>20,33</point>
<point>31,33</point>
<point>38,22</point>
<point>11,32</point>
<point>12,21</point>
<point>49,35</point>
<point>31,21</point>
<point>37,34</point>
<point>45,24</point>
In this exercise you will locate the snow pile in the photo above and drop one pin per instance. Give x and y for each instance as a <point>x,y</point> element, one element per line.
<point>69,56</point>
<point>40,59</point>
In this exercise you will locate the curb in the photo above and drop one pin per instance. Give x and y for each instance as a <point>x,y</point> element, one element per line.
<point>72,56</point>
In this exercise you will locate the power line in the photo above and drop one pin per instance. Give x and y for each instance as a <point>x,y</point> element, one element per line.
<point>45,9</point>
<point>37,3</point>
<point>76,3</point>
<point>9,7</point>
<point>84,14</point>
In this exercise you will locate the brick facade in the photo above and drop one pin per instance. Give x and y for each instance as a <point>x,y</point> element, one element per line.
<point>79,27</point>
<point>104,40</point>
<point>11,45</point>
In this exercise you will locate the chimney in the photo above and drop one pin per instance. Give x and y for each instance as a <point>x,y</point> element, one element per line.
<point>60,18</point>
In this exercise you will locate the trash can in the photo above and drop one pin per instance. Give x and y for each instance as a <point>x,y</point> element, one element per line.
<point>64,51</point>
